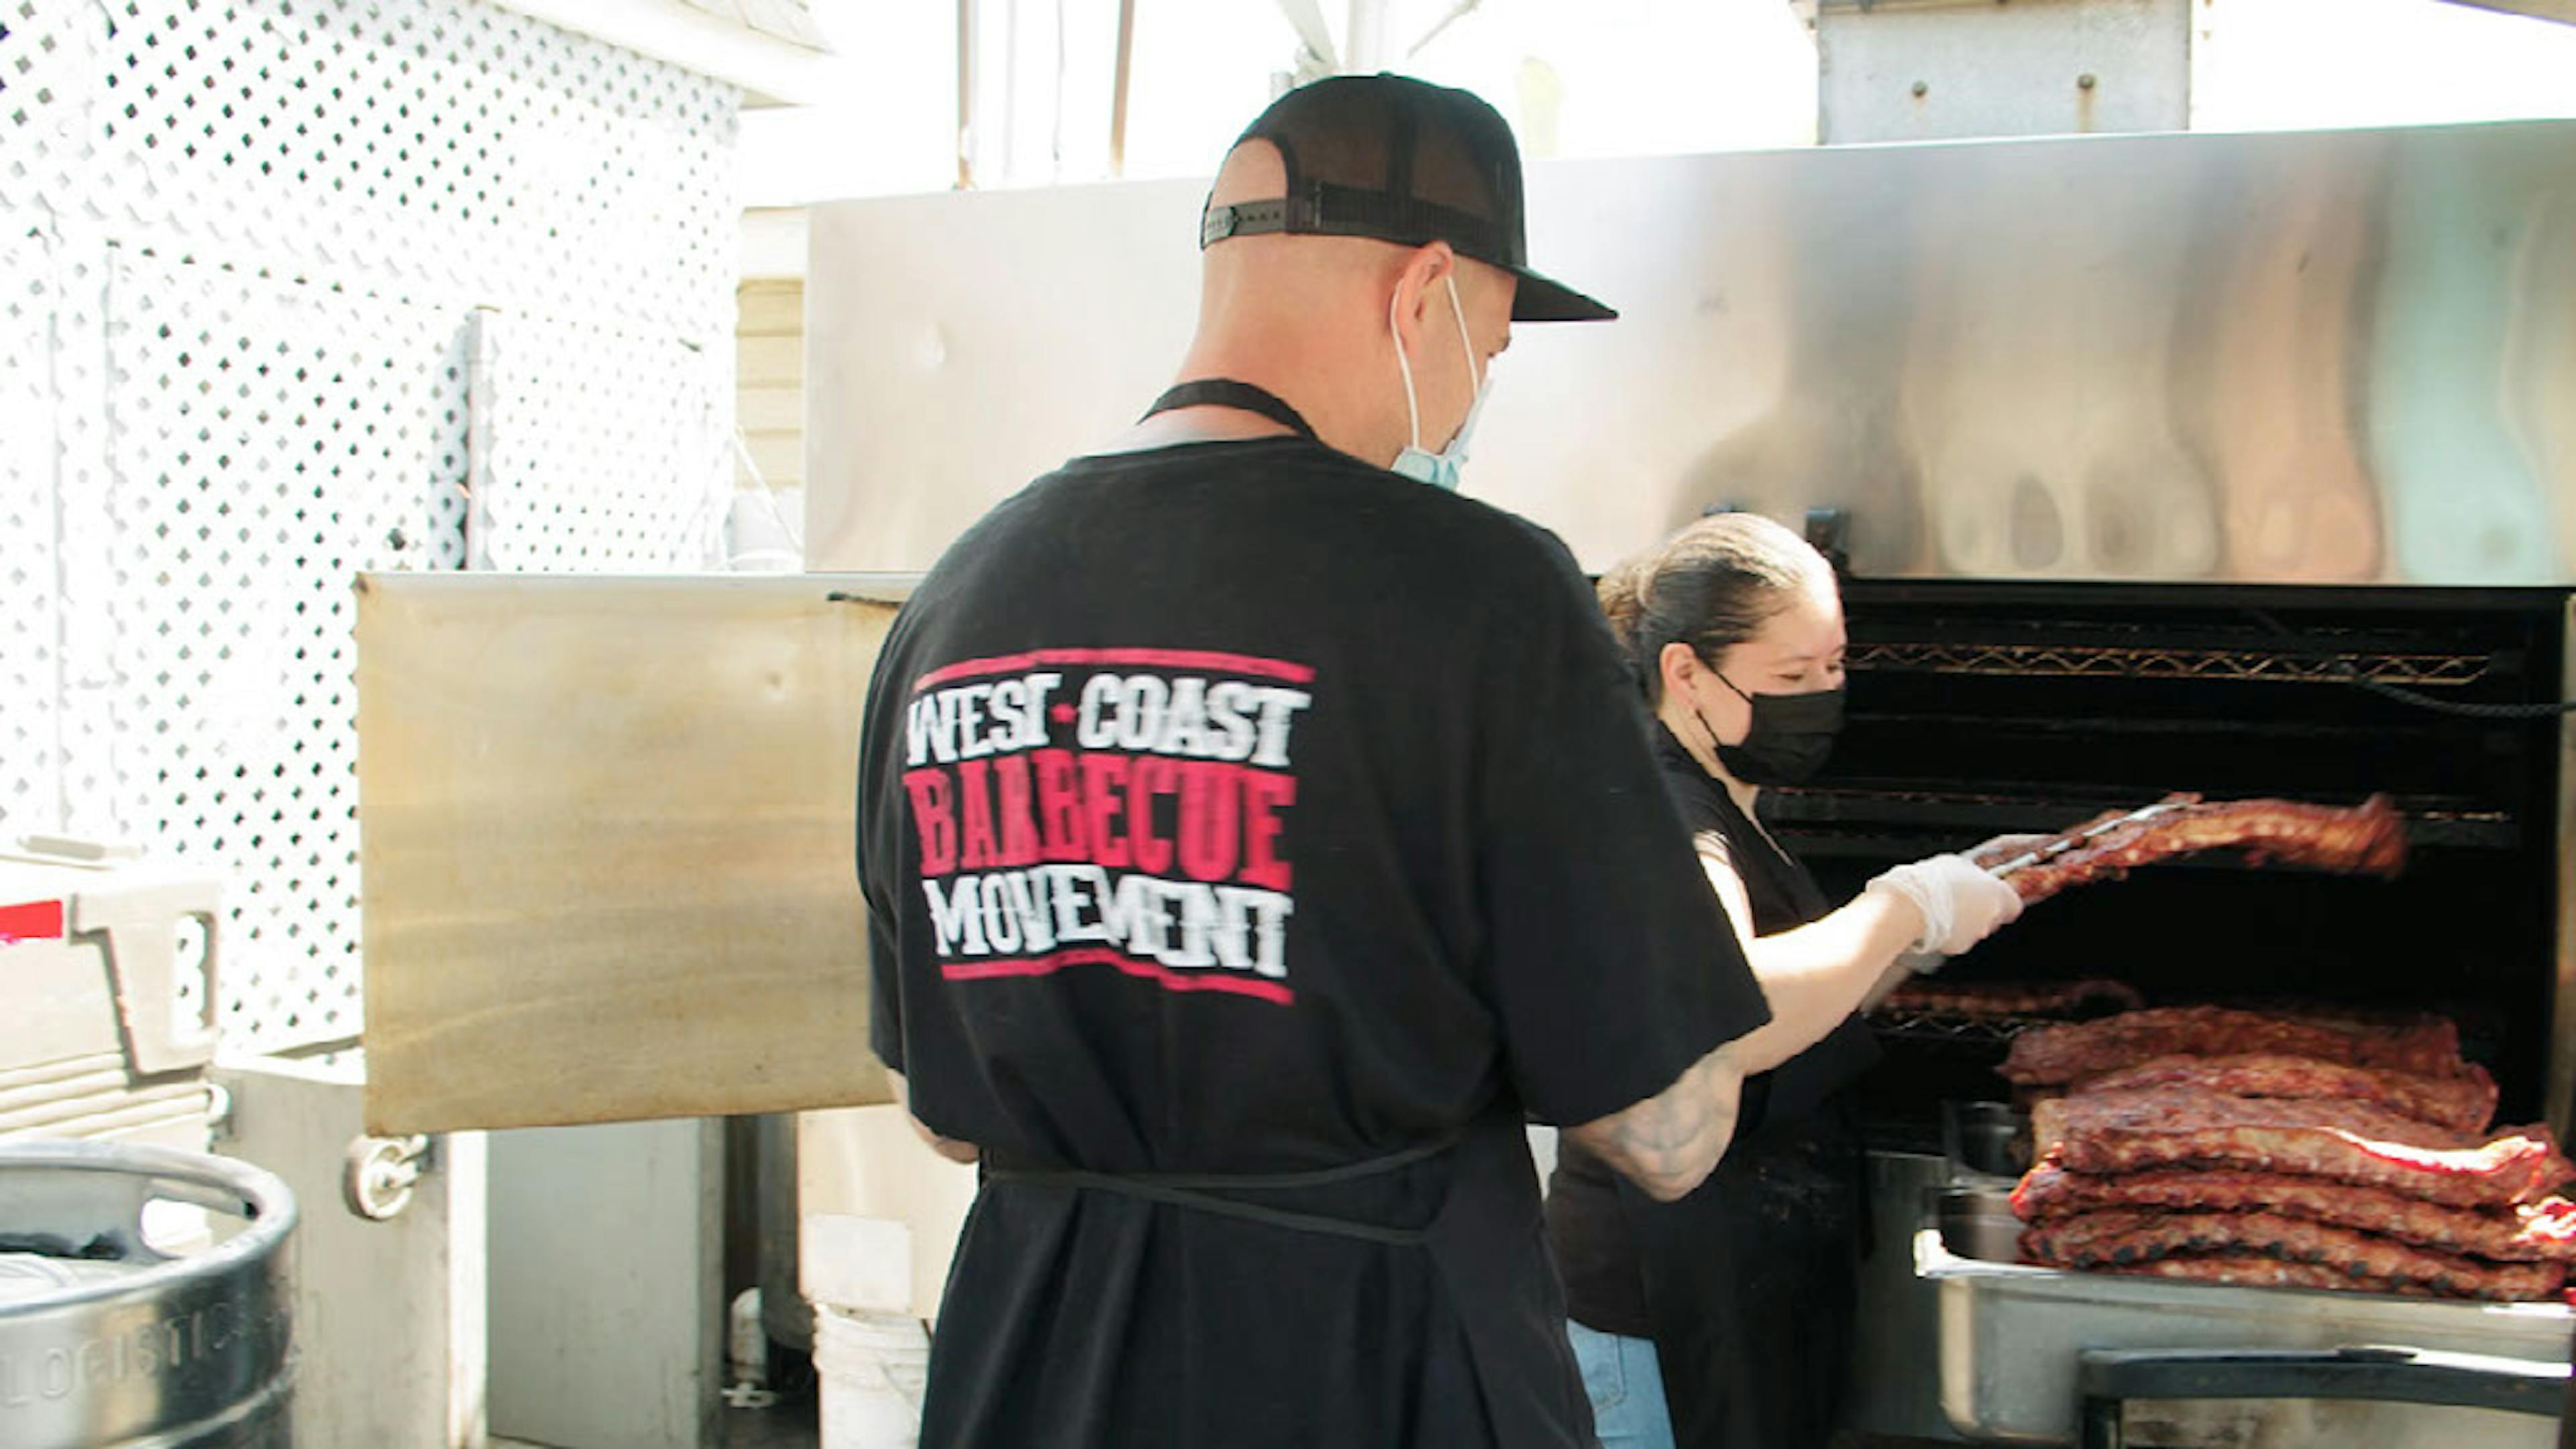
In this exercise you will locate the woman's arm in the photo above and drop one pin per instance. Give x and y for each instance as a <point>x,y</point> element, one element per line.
<point>1825,970</point>
<point>1816,975</point>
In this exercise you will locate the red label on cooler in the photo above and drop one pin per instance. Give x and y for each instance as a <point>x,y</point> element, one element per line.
<point>31,921</point>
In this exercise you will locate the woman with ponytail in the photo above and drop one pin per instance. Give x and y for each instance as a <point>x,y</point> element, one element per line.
<point>1723,1321</point>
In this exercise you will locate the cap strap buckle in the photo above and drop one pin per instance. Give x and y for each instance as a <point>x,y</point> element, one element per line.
<point>1250,218</point>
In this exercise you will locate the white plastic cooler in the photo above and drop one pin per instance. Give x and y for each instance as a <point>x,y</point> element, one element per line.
<point>108,966</point>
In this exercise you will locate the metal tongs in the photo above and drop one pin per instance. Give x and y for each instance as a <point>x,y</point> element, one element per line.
<point>2073,840</point>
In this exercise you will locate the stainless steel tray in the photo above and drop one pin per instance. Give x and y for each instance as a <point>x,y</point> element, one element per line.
<point>2010,1333</point>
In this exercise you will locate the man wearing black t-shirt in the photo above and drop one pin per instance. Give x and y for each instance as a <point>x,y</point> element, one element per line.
<point>1254,831</point>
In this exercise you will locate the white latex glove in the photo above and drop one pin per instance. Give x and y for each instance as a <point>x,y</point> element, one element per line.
<point>1960,904</point>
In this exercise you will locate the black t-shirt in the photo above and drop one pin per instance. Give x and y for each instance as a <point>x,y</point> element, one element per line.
<point>1239,808</point>
<point>1587,1229</point>
<point>1784,897</point>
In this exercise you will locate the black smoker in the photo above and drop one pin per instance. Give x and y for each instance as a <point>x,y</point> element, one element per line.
<point>1979,708</point>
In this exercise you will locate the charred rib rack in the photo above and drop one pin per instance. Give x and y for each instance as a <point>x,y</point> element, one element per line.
<point>2368,839</point>
<point>2116,1132</point>
<point>2463,1103</point>
<point>2079,1052</point>
<point>2537,1232</point>
<point>2254,1270</point>
<point>2124,1239</point>
<point>2010,1000</point>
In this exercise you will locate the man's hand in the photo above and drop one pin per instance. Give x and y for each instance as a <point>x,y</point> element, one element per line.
<point>1669,1143</point>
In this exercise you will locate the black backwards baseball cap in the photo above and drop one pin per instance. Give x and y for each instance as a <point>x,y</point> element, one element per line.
<point>1403,161</point>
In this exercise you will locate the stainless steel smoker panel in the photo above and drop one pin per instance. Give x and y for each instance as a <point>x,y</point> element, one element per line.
<point>2331,357</point>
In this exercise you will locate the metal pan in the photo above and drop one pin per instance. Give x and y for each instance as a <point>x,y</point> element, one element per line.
<point>2012,1336</point>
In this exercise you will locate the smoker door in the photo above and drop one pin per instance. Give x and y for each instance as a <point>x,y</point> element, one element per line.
<point>608,862</point>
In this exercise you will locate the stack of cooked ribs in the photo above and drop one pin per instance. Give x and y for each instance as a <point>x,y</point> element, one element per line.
<point>2241,1147</point>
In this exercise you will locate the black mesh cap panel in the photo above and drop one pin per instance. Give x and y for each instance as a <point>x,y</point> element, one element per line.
<point>1402,161</point>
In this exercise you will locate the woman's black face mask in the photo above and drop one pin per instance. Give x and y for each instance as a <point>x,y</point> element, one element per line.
<point>1791,737</point>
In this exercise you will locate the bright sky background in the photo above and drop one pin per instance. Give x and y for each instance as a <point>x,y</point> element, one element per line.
<point>2294,64</point>
<point>1595,78</point>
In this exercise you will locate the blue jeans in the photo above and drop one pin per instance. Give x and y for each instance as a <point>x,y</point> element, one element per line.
<point>1626,1386</point>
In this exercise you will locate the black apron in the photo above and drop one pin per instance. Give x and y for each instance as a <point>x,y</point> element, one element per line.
<point>1752,1281</point>
<point>1485,1248</point>
<point>1485,1244</point>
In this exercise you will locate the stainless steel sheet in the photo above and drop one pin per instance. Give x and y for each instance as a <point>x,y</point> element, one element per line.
<point>2327,357</point>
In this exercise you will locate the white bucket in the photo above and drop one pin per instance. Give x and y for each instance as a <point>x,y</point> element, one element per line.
<point>873,1367</point>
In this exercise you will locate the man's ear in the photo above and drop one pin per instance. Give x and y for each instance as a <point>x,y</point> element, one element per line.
<point>1424,266</point>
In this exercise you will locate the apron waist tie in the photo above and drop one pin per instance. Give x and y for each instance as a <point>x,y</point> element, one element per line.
<point>1197,1191</point>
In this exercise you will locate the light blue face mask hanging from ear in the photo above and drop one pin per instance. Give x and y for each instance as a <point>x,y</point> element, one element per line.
<point>1440,469</point>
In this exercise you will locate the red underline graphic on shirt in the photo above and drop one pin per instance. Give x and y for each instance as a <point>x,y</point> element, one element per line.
<point>1124,658</point>
<point>1162,976</point>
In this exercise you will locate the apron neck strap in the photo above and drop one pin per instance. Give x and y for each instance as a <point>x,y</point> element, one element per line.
<point>1225,392</point>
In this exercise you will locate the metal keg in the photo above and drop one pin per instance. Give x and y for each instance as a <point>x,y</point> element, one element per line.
<point>108,1338</point>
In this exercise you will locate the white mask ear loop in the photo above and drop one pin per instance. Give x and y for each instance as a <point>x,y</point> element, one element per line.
<point>1457,310</point>
<point>1412,413</point>
<point>1404,367</point>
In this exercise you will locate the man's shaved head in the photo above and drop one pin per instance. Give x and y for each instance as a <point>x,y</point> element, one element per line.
<point>1317,319</point>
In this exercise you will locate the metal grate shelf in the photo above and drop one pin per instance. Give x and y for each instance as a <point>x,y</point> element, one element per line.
<point>2107,661</point>
<point>1951,1029</point>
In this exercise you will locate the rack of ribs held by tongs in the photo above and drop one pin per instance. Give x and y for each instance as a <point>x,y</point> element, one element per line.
<point>2365,839</point>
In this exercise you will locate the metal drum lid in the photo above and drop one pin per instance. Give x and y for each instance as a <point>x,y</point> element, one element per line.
<point>116,1330</point>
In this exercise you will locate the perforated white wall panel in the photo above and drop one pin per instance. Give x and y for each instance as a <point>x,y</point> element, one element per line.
<point>576,422</point>
<point>302,285</point>
<point>30,647</point>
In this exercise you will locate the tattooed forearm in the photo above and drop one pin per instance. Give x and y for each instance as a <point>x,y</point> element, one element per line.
<point>1669,1143</point>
